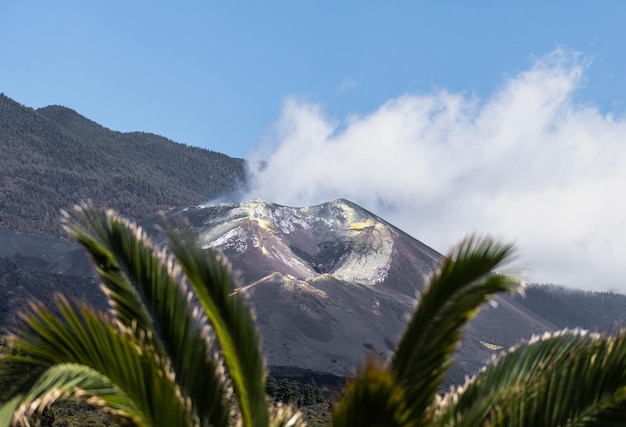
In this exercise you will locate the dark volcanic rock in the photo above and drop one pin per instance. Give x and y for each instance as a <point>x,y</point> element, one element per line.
<point>38,267</point>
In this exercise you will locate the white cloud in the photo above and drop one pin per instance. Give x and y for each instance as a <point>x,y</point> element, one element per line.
<point>531,164</point>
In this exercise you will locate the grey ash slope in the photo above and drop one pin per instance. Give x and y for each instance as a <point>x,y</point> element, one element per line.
<point>333,283</point>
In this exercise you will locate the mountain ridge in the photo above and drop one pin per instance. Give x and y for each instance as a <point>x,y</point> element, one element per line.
<point>53,157</point>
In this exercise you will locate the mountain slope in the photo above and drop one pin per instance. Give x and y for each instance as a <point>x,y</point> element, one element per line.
<point>333,283</point>
<point>53,157</point>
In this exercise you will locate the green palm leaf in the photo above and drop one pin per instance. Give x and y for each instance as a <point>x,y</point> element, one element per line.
<point>86,338</point>
<point>424,354</point>
<point>464,281</point>
<point>212,280</point>
<point>63,380</point>
<point>372,398</point>
<point>133,270</point>
<point>92,230</point>
<point>568,378</point>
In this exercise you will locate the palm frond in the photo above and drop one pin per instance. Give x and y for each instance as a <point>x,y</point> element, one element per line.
<point>62,380</point>
<point>372,398</point>
<point>233,323</point>
<point>567,378</point>
<point>90,339</point>
<point>91,230</point>
<point>464,281</point>
<point>133,271</point>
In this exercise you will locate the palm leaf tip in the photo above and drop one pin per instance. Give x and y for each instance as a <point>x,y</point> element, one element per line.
<point>372,398</point>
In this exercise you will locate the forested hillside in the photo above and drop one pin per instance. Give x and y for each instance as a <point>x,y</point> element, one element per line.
<point>53,157</point>
<point>571,308</point>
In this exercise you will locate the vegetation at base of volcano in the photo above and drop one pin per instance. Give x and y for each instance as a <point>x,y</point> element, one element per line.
<point>292,391</point>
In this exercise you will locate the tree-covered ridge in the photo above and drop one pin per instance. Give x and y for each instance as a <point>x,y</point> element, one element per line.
<point>52,157</point>
<point>572,308</point>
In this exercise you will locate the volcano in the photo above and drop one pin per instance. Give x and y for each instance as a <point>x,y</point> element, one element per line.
<point>334,284</point>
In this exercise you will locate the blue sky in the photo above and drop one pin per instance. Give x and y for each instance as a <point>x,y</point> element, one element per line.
<point>215,75</point>
<point>445,118</point>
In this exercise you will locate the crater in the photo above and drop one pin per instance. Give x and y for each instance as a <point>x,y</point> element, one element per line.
<point>327,258</point>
